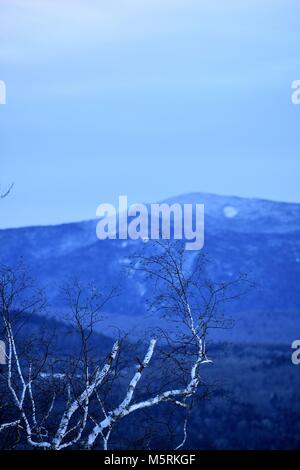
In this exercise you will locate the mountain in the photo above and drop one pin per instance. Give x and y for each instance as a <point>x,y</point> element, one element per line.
<point>258,237</point>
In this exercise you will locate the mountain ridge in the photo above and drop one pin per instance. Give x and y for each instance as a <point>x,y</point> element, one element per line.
<point>255,237</point>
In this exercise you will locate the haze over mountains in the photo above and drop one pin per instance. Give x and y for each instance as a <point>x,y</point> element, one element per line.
<point>258,237</point>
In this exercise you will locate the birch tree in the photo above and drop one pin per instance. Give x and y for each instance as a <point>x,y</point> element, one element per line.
<point>84,397</point>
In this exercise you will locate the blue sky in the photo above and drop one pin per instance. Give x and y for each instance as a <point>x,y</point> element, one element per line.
<point>147,98</point>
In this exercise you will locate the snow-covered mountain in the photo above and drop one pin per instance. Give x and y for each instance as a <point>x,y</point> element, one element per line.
<point>258,237</point>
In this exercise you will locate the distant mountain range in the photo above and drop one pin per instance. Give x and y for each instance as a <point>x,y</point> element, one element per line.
<point>258,237</point>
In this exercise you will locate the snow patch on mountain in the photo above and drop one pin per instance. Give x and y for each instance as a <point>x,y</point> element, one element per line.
<point>230,211</point>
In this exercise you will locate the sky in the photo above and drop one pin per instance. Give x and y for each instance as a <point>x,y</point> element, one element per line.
<point>150,99</point>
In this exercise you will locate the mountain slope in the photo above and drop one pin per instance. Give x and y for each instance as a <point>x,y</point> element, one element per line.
<point>261,238</point>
